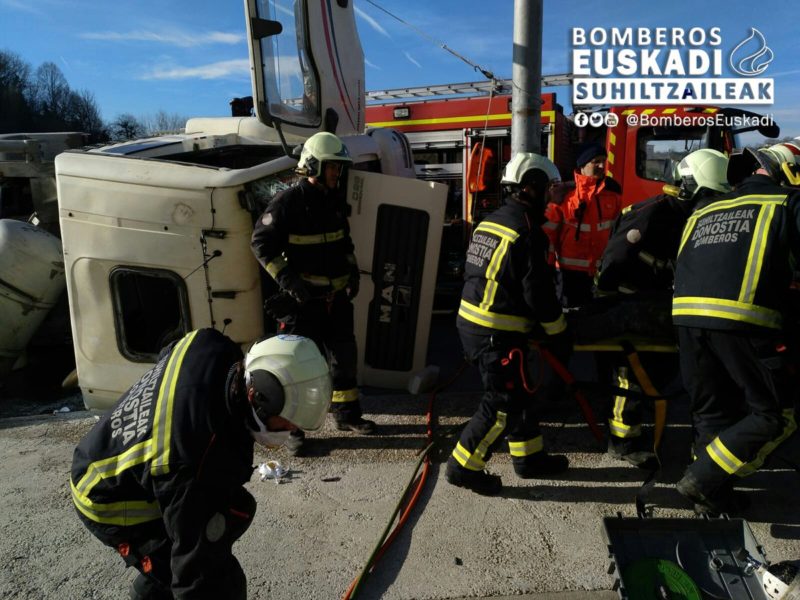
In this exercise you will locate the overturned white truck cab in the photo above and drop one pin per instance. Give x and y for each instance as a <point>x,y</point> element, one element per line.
<point>156,232</point>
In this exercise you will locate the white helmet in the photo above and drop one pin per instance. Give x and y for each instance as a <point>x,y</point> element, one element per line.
<point>528,161</point>
<point>291,380</point>
<point>705,168</point>
<point>319,148</point>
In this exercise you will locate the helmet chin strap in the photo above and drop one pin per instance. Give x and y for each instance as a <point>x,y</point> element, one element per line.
<point>235,392</point>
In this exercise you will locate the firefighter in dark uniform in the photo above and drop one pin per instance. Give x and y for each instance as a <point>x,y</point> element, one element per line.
<point>638,265</point>
<point>160,477</point>
<point>508,292</point>
<point>731,305</point>
<point>303,242</point>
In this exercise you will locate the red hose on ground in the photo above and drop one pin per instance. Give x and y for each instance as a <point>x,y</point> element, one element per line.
<point>418,485</point>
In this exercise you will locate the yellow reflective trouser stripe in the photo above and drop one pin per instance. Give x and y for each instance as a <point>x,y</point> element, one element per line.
<point>554,327</point>
<point>162,422</point>
<point>491,275</point>
<point>621,430</point>
<point>115,513</point>
<point>616,425</point>
<point>275,266</point>
<point>492,320</point>
<point>789,427</point>
<point>350,395</point>
<point>337,283</point>
<point>723,457</point>
<point>476,461</point>
<point>527,447</point>
<point>731,310</point>
<point>755,258</point>
<point>319,238</point>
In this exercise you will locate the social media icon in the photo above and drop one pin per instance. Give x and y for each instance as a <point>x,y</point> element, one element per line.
<point>596,120</point>
<point>581,119</point>
<point>612,119</point>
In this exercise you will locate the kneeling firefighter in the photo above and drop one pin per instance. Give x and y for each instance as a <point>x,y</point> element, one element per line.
<point>638,263</point>
<point>160,477</point>
<point>508,292</point>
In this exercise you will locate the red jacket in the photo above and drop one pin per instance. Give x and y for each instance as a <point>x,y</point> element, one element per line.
<point>578,227</point>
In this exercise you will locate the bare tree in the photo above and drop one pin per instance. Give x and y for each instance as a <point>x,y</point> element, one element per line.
<point>82,114</point>
<point>51,91</point>
<point>126,127</point>
<point>16,113</point>
<point>163,122</point>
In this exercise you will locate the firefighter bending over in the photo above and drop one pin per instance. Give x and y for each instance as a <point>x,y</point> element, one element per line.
<point>638,264</point>
<point>732,308</point>
<point>303,242</point>
<point>160,477</point>
<point>507,293</point>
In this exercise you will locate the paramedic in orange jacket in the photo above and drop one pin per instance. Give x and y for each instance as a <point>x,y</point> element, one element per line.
<point>578,227</point>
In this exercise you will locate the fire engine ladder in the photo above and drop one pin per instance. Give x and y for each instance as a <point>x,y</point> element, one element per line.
<point>475,88</point>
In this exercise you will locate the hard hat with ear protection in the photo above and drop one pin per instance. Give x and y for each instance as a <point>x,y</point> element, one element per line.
<point>291,379</point>
<point>320,148</point>
<point>703,169</point>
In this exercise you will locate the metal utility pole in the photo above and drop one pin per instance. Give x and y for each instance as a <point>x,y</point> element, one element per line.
<point>526,75</point>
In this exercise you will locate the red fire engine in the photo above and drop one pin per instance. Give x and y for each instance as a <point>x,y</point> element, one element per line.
<point>460,135</point>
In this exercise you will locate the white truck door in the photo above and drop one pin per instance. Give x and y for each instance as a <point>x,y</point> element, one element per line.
<point>307,65</point>
<point>396,227</point>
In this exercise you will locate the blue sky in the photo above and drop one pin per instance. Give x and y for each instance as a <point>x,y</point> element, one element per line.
<point>190,58</point>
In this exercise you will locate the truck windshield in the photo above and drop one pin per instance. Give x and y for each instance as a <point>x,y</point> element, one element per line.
<point>659,150</point>
<point>290,80</point>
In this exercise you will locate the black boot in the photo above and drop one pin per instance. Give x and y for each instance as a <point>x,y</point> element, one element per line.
<point>541,464</point>
<point>480,482</point>
<point>358,425</point>
<point>633,451</point>
<point>296,445</point>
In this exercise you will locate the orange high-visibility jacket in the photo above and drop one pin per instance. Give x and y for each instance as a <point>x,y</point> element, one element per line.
<point>579,226</point>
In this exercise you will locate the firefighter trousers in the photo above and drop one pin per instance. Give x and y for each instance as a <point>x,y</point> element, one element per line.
<point>148,548</point>
<point>506,407</point>
<point>625,418</point>
<point>741,401</point>
<point>329,322</point>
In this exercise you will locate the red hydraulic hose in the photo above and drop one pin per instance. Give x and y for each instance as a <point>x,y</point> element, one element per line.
<point>569,379</point>
<point>418,483</point>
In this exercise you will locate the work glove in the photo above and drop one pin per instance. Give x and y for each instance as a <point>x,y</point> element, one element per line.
<point>353,283</point>
<point>296,288</point>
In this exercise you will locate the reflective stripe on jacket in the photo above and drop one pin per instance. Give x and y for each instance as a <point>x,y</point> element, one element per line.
<point>734,262</point>
<point>161,428</point>
<point>304,233</point>
<point>578,228</point>
<point>508,285</point>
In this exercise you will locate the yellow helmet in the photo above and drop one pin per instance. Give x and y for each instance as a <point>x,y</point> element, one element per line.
<point>319,148</point>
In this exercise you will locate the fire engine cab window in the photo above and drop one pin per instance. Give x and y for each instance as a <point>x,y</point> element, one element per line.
<point>150,311</point>
<point>290,80</point>
<point>658,151</point>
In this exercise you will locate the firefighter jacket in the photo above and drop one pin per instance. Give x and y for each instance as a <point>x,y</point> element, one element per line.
<point>304,233</point>
<point>508,285</point>
<point>171,449</point>
<point>641,251</point>
<point>735,259</point>
<point>579,226</point>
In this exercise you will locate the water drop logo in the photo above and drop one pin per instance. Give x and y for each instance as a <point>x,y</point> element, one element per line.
<point>751,56</point>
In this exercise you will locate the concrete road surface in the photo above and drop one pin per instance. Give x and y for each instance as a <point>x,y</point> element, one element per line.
<point>313,533</point>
